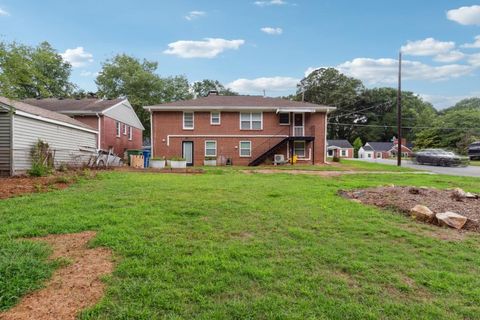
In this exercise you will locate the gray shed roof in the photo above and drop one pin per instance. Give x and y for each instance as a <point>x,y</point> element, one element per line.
<point>33,110</point>
<point>239,101</point>
<point>86,105</point>
<point>344,144</point>
<point>381,146</point>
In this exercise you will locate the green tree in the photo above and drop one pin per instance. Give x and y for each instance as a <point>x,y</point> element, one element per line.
<point>136,79</point>
<point>32,72</point>
<point>202,88</point>
<point>328,86</point>
<point>357,144</point>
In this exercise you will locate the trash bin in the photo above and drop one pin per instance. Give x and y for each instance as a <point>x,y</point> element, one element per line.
<point>146,158</point>
<point>132,152</point>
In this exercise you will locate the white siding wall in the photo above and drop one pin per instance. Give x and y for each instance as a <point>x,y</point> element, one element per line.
<point>4,143</point>
<point>124,113</point>
<point>65,141</point>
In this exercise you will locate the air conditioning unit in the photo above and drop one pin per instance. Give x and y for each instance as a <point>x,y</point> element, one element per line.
<point>279,159</point>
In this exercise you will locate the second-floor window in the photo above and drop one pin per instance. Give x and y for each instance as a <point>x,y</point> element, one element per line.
<point>130,133</point>
<point>124,129</point>
<point>118,125</point>
<point>251,121</point>
<point>284,118</point>
<point>188,120</point>
<point>215,118</point>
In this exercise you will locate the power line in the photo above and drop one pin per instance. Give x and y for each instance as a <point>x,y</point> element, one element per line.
<point>388,126</point>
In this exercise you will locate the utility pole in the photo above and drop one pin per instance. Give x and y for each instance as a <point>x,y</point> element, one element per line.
<point>399,111</point>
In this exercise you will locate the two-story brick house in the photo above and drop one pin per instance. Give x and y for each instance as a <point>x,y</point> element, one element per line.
<point>118,126</point>
<point>241,130</point>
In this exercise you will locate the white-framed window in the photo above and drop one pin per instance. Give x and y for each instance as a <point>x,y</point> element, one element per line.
<point>124,129</point>
<point>118,126</point>
<point>210,148</point>
<point>379,154</point>
<point>215,118</point>
<point>284,118</point>
<point>343,153</point>
<point>299,148</point>
<point>251,121</point>
<point>369,155</point>
<point>130,133</point>
<point>188,120</point>
<point>245,148</point>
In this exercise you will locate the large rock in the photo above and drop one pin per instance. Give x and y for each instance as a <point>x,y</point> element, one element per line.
<point>451,219</point>
<point>422,213</point>
<point>458,194</point>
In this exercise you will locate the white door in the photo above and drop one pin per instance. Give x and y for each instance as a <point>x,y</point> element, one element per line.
<point>298,125</point>
<point>187,147</point>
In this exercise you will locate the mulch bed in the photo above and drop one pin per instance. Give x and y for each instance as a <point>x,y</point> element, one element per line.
<point>73,287</point>
<point>403,199</point>
<point>14,186</point>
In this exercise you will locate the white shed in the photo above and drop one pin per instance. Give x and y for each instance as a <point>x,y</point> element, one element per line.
<point>22,125</point>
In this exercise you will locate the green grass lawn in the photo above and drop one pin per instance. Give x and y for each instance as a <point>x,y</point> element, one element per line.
<point>229,245</point>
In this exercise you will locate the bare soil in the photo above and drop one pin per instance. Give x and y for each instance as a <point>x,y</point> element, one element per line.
<point>403,199</point>
<point>73,287</point>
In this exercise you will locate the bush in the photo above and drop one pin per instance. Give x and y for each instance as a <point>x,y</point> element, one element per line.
<point>38,170</point>
<point>177,159</point>
<point>42,159</point>
<point>336,159</point>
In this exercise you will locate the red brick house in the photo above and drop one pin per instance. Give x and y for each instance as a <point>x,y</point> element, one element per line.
<point>384,150</point>
<point>339,148</point>
<point>115,120</point>
<point>241,130</point>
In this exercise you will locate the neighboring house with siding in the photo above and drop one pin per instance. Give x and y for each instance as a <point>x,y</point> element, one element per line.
<point>339,148</point>
<point>22,125</point>
<point>117,123</point>
<point>384,150</point>
<point>242,130</point>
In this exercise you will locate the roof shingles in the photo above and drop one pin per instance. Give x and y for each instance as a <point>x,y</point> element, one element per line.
<point>86,105</point>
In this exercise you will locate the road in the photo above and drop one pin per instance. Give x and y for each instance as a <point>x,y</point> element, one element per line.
<point>470,171</point>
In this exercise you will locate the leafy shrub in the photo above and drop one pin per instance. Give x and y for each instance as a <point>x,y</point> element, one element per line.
<point>336,159</point>
<point>42,159</point>
<point>177,159</point>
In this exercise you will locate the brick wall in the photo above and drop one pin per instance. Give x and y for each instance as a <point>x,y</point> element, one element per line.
<point>166,124</point>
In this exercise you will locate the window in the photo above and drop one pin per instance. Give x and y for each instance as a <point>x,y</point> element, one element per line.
<point>214,118</point>
<point>130,133</point>
<point>379,154</point>
<point>251,121</point>
<point>284,118</point>
<point>299,148</point>
<point>118,124</point>
<point>330,153</point>
<point>210,148</point>
<point>343,153</point>
<point>188,120</point>
<point>245,148</point>
<point>124,129</point>
<point>369,155</point>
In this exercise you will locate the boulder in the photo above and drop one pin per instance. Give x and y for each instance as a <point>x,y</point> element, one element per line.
<point>422,213</point>
<point>451,219</point>
<point>458,194</point>
<point>471,195</point>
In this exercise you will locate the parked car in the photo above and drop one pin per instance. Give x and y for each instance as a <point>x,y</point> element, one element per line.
<point>474,150</point>
<point>439,157</point>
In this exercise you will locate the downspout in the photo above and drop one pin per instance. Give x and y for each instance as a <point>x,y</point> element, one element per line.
<point>151,133</point>
<point>12,141</point>
<point>99,132</point>
<point>325,139</point>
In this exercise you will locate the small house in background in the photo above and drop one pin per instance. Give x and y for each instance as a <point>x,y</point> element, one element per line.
<point>119,127</point>
<point>339,148</point>
<point>22,125</point>
<point>384,150</point>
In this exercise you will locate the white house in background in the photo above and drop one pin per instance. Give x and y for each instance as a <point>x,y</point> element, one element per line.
<point>340,148</point>
<point>22,125</point>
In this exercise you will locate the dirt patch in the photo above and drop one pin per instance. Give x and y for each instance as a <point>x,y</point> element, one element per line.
<point>73,287</point>
<point>19,185</point>
<point>405,198</point>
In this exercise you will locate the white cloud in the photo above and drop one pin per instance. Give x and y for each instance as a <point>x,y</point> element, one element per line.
<point>374,71</point>
<point>441,102</point>
<point>474,59</point>
<point>270,3</point>
<point>449,57</point>
<point>272,31</point>
<point>474,44</point>
<point>195,14</point>
<point>3,12</point>
<point>77,57</point>
<point>427,47</point>
<point>269,84</point>
<point>465,15</point>
<point>85,73</point>
<point>207,48</point>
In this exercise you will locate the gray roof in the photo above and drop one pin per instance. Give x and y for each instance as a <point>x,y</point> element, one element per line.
<point>79,106</point>
<point>381,146</point>
<point>367,148</point>
<point>240,101</point>
<point>21,106</point>
<point>344,144</point>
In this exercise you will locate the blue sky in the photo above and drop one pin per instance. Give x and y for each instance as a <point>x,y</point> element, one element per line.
<point>255,45</point>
